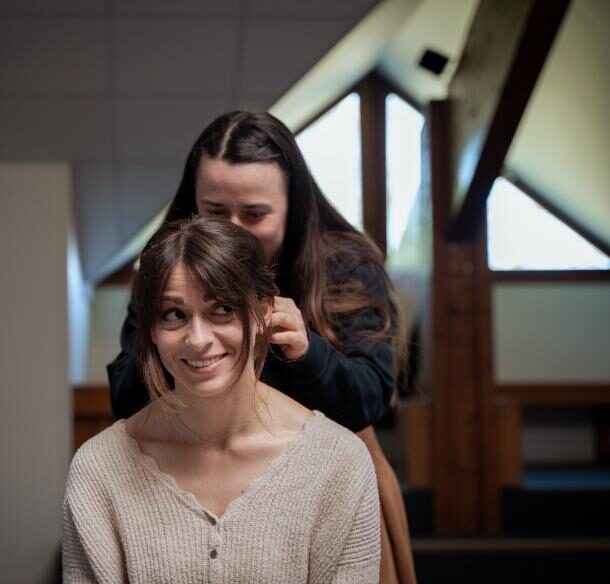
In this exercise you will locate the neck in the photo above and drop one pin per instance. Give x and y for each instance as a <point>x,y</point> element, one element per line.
<point>214,420</point>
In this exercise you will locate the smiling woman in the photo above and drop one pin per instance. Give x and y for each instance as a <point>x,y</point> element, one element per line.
<point>209,293</point>
<point>198,340</point>
<point>222,478</point>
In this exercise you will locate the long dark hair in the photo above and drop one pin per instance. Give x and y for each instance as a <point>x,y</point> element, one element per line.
<point>226,262</point>
<point>243,137</point>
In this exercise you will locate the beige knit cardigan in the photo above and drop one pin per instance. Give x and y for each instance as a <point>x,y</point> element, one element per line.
<point>312,517</point>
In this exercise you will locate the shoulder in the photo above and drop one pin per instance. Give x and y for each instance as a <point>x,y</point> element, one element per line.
<point>342,468</point>
<point>344,450</point>
<point>99,455</point>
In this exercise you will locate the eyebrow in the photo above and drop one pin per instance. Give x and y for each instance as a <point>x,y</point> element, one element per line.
<point>208,298</point>
<point>174,299</point>
<point>249,206</point>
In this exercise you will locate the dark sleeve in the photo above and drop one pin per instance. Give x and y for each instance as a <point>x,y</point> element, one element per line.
<point>352,386</point>
<point>128,393</point>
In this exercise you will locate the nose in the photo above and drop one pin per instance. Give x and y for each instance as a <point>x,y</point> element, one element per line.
<point>198,335</point>
<point>234,218</point>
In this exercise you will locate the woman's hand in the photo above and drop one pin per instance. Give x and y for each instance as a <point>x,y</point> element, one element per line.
<point>288,329</point>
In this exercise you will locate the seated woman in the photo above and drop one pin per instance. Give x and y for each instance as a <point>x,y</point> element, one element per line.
<point>220,479</point>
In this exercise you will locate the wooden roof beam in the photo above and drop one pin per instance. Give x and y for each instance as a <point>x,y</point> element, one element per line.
<point>505,51</point>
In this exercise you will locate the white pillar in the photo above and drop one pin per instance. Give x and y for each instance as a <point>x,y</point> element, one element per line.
<point>35,401</point>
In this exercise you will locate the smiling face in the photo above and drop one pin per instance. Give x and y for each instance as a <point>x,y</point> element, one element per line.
<point>199,339</point>
<point>252,195</point>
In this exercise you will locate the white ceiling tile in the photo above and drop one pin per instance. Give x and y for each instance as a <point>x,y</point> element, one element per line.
<point>55,129</point>
<point>257,103</point>
<point>162,128</point>
<point>177,7</point>
<point>175,57</point>
<point>52,8</point>
<point>55,56</point>
<point>310,9</point>
<point>279,53</point>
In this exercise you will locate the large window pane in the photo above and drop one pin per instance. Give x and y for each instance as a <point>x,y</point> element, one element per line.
<point>331,146</point>
<point>403,155</point>
<point>523,235</point>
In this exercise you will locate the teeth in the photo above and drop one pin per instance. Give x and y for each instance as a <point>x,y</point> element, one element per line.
<point>205,362</point>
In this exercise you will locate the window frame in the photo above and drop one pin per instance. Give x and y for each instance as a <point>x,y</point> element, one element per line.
<point>373,90</point>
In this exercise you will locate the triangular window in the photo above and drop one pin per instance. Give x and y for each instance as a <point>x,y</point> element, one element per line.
<point>522,235</point>
<point>331,147</point>
<point>403,171</point>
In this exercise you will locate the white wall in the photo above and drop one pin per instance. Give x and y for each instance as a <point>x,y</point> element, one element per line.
<point>108,310</point>
<point>552,333</point>
<point>79,300</point>
<point>35,411</point>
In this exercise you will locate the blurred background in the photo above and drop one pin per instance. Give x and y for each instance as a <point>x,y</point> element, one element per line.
<point>469,138</point>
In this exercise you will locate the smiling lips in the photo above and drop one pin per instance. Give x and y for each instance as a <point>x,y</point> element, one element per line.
<point>200,364</point>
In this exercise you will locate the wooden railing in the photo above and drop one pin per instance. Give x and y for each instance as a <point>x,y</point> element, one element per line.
<point>92,412</point>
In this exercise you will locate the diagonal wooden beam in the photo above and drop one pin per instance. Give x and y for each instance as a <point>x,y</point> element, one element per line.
<point>506,49</point>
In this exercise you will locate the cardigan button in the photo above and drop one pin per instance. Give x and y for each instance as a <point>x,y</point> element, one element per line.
<point>212,520</point>
<point>213,554</point>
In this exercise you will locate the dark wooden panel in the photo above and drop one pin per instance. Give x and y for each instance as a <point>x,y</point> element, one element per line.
<point>507,421</point>
<point>557,394</point>
<point>92,412</point>
<point>554,276</point>
<point>92,400</point>
<point>416,421</point>
<point>601,423</point>
<point>513,545</point>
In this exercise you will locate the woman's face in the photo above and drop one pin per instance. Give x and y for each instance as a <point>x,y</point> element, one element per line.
<point>253,195</point>
<point>199,339</point>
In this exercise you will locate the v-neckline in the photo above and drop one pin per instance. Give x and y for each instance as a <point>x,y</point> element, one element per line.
<point>168,480</point>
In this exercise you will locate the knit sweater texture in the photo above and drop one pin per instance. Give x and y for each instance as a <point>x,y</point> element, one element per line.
<point>312,517</point>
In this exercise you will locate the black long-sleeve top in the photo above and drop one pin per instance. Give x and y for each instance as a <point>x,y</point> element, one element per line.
<point>352,386</point>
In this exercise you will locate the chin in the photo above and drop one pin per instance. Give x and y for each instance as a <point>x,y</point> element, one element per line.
<point>210,389</point>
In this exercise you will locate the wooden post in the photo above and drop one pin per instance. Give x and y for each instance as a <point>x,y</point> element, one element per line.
<point>468,136</point>
<point>462,408</point>
<point>372,114</point>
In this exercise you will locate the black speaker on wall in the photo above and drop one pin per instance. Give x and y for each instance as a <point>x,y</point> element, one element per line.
<point>433,61</point>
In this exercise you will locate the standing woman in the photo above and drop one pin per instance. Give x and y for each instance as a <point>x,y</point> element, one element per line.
<point>335,320</point>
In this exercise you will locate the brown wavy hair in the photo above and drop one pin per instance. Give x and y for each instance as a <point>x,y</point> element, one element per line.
<point>227,263</point>
<point>310,246</point>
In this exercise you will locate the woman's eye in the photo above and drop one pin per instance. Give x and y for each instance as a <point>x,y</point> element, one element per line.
<point>212,211</point>
<point>255,216</point>
<point>173,315</point>
<point>223,310</point>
